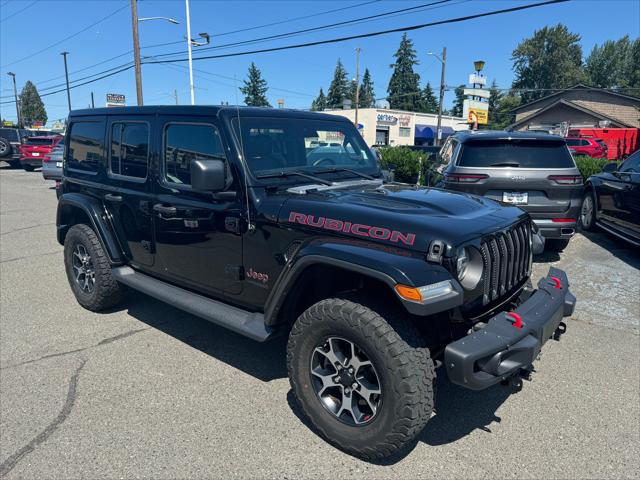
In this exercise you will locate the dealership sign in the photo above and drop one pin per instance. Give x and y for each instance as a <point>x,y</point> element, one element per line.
<point>115,100</point>
<point>476,112</point>
<point>386,119</point>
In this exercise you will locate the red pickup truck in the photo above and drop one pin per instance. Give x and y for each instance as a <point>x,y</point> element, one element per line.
<point>35,149</point>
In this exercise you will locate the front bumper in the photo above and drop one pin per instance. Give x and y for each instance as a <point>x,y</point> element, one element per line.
<point>502,348</point>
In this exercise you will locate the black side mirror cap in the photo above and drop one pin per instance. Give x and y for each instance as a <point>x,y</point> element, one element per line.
<point>610,167</point>
<point>208,175</point>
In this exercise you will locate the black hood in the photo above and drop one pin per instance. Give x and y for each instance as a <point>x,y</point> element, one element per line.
<point>399,215</point>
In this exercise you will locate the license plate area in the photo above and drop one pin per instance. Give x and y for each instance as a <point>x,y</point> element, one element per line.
<point>516,198</point>
<point>35,154</point>
<point>58,164</point>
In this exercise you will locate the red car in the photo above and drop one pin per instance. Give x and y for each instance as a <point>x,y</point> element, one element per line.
<point>592,147</point>
<point>35,149</point>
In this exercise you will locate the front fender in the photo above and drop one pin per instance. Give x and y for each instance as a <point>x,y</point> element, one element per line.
<point>69,204</point>
<point>388,265</point>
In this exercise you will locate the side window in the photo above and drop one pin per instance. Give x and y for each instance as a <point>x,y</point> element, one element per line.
<point>129,149</point>
<point>631,164</point>
<point>85,146</point>
<point>585,143</point>
<point>446,151</point>
<point>185,142</point>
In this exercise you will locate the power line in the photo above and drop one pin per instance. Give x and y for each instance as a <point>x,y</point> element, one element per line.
<point>370,34</point>
<point>19,11</point>
<point>66,38</point>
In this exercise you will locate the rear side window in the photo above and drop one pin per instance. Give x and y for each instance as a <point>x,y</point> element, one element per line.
<point>10,134</point>
<point>573,142</point>
<point>184,143</point>
<point>516,153</point>
<point>129,149</point>
<point>86,153</point>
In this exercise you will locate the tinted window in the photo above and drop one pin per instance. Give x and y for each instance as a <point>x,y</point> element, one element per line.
<point>85,146</point>
<point>39,141</point>
<point>631,164</point>
<point>10,134</point>
<point>129,149</point>
<point>516,153</point>
<point>184,143</point>
<point>572,142</point>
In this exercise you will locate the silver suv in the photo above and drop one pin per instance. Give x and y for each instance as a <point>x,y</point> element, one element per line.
<point>534,171</point>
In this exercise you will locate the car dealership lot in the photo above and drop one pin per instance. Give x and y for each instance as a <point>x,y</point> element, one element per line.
<point>149,391</point>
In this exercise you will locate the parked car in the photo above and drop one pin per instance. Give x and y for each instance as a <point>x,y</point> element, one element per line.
<point>612,200</point>
<point>52,162</point>
<point>219,211</point>
<point>621,142</point>
<point>10,141</point>
<point>587,146</point>
<point>534,171</point>
<point>35,149</point>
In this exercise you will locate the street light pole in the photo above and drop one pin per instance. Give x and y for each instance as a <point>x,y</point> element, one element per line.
<point>66,75</point>
<point>439,127</point>
<point>136,50</point>
<point>191,89</point>
<point>15,96</point>
<point>357,83</point>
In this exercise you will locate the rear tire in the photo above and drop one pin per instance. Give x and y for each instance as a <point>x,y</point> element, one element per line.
<point>5,148</point>
<point>556,244</point>
<point>89,271</point>
<point>588,212</point>
<point>398,357</point>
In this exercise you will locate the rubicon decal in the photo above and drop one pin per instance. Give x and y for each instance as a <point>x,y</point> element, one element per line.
<point>378,233</point>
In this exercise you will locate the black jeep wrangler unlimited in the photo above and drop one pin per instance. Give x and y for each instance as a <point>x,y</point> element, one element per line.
<point>275,222</point>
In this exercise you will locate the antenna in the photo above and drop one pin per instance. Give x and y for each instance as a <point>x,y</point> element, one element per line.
<point>250,226</point>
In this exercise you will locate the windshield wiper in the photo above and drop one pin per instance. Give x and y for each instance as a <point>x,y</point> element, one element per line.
<point>341,169</point>
<point>505,164</point>
<point>300,174</point>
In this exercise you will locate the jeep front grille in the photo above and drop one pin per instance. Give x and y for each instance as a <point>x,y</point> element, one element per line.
<point>506,261</point>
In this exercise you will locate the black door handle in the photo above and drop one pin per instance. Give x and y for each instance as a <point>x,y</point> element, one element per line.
<point>164,209</point>
<point>113,198</point>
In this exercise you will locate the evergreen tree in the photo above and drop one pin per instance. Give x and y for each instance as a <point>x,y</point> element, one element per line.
<point>551,59</point>
<point>352,92</point>
<point>367,94</point>
<point>503,116</point>
<point>31,106</point>
<point>456,110</point>
<point>634,76</point>
<point>320,103</point>
<point>404,89</point>
<point>255,88</point>
<point>611,64</point>
<point>339,88</point>
<point>494,103</point>
<point>429,100</point>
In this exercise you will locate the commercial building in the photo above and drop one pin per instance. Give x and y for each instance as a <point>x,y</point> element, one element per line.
<point>381,126</point>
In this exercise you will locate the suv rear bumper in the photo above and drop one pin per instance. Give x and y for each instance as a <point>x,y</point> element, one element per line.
<point>550,229</point>
<point>501,349</point>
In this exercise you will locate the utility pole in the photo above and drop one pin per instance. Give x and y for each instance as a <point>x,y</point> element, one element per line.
<point>175,95</point>
<point>439,127</point>
<point>15,96</point>
<point>193,96</point>
<point>136,50</point>
<point>66,75</point>
<point>93,105</point>
<point>357,83</point>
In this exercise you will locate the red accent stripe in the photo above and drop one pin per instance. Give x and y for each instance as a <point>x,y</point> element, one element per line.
<point>518,319</point>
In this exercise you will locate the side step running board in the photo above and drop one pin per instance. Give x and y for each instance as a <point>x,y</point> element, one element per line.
<point>249,324</point>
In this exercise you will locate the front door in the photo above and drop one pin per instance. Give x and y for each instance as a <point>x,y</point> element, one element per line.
<point>198,240</point>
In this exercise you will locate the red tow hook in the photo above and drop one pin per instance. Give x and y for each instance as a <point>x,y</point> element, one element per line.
<point>556,280</point>
<point>517,319</point>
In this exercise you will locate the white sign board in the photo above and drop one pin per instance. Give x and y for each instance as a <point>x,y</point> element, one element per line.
<point>474,78</point>
<point>477,92</point>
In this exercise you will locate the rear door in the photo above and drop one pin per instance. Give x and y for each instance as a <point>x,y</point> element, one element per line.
<point>198,238</point>
<point>620,195</point>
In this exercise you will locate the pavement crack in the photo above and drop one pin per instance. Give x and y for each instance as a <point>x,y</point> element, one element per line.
<point>42,437</point>
<point>105,341</point>
<point>27,228</point>
<point>15,259</point>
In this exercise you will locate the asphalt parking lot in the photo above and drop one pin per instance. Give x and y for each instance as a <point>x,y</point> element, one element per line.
<point>147,391</point>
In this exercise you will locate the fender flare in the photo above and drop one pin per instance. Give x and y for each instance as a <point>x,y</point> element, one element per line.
<point>369,260</point>
<point>98,217</point>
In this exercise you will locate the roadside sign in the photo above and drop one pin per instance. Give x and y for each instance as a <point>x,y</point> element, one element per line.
<point>474,78</point>
<point>477,92</point>
<point>7,123</point>
<point>115,100</point>
<point>475,112</point>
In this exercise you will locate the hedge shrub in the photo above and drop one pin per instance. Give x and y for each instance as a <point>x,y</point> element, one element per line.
<point>590,166</point>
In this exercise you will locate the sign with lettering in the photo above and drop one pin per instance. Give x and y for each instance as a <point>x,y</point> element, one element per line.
<point>386,119</point>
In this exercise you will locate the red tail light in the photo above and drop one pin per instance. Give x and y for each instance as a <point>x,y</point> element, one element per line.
<point>566,179</point>
<point>563,220</point>
<point>463,178</point>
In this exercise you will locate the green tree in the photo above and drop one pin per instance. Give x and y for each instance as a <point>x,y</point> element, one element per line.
<point>503,116</point>
<point>31,106</point>
<point>353,86</point>
<point>494,103</point>
<point>320,103</point>
<point>550,60</point>
<point>429,100</point>
<point>634,76</point>
<point>255,88</point>
<point>404,85</point>
<point>610,65</point>
<point>339,88</point>
<point>456,110</point>
<point>367,94</point>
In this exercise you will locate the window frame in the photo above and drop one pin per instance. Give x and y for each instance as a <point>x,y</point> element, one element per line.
<point>119,176</point>
<point>163,163</point>
<point>102,121</point>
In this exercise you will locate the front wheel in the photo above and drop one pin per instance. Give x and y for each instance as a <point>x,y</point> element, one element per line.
<point>588,212</point>
<point>362,376</point>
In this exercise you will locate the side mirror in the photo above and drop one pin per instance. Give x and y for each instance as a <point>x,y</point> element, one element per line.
<point>208,175</point>
<point>610,167</point>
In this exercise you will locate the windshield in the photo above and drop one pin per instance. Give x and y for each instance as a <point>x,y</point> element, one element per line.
<point>10,134</point>
<point>39,141</point>
<point>292,144</point>
<point>516,153</point>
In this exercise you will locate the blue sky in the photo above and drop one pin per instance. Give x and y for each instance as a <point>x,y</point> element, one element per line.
<point>295,75</point>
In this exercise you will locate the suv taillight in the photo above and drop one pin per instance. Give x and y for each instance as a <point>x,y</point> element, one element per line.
<point>566,179</point>
<point>463,177</point>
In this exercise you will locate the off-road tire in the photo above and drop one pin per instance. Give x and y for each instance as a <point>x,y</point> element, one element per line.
<point>28,168</point>
<point>107,292</point>
<point>556,244</point>
<point>400,357</point>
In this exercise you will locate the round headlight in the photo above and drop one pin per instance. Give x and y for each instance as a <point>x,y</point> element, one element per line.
<point>469,267</point>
